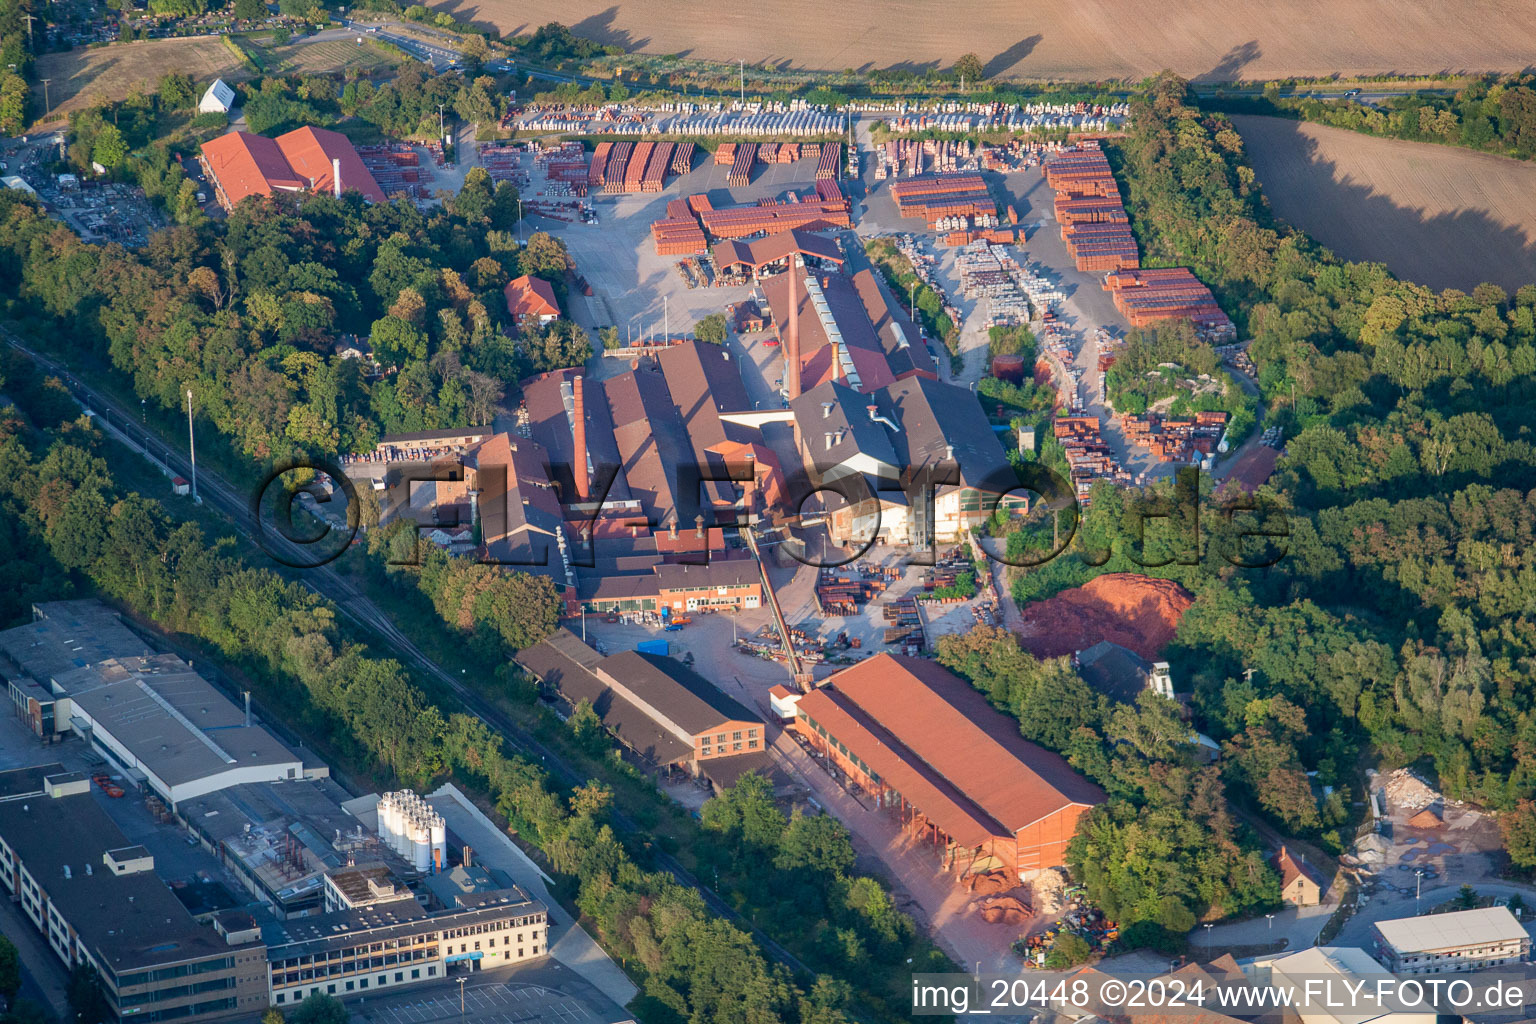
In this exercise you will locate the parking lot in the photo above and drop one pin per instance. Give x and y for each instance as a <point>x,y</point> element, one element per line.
<point>501,1002</point>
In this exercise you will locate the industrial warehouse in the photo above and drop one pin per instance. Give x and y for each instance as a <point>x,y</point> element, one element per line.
<point>341,895</point>
<point>929,749</point>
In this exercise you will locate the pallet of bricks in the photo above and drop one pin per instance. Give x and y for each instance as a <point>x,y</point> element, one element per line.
<point>830,162</point>
<point>725,154</point>
<point>789,152</point>
<point>618,166</point>
<point>634,173</point>
<point>830,192</point>
<point>501,162</point>
<point>1087,205</point>
<point>655,177</point>
<point>841,593</point>
<point>770,217</point>
<point>943,196</point>
<point>1145,296</point>
<point>902,623</point>
<point>679,234</point>
<point>397,169</point>
<point>741,166</point>
<point>768,153</point>
<point>682,157</point>
<point>568,165</point>
<point>599,166</point>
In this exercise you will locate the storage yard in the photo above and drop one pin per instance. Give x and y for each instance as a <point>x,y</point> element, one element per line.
<point>1438,215</point>
<point>796,120</point>
<point>1110,39</point>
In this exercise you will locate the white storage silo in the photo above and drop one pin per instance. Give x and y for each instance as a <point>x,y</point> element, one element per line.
<point>439,843</point>
<point>421,847</point>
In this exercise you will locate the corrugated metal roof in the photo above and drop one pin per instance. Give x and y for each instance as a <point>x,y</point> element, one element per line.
<point>1445,931</point>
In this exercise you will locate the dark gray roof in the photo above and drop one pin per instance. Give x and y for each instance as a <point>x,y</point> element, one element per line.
<point>23,782</point>
<point>904,347</point>
<point>936,418</point>
<point>550,404</point>
<point>616,588</point>
<point>1114,671</point>
<point>563,662</point>
<point>130,921</point>
<point>66,635</point>
<point>837,410</point>
<point>298,936</point>
<point>652,437</point>
<point>718,572</point>
<point>677,691</point>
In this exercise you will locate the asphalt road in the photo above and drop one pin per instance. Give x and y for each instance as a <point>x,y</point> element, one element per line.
<point>355,605</point>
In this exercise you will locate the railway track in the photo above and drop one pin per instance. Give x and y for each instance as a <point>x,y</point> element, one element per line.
<point>360,609</point>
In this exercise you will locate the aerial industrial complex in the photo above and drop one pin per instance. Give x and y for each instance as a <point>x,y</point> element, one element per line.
<point>341,896</point>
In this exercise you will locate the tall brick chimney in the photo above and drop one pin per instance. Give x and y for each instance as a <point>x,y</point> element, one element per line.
<point>792,343</point>
<point>579,434</point>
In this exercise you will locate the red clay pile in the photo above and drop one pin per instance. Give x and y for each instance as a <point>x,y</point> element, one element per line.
<point>1093,220</point>
<point>1144,297</point>
<point>1140,613</point>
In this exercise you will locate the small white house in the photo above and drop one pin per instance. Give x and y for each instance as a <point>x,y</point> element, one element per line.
<point>219,99</point>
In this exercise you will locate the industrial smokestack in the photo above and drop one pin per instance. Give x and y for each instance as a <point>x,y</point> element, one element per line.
<point>336,174</point>
<point>792,344</point>
<point>698,525</point>
<point>579,434</point>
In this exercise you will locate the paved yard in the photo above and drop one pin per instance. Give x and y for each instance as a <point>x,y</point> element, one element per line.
<point>506,996</point>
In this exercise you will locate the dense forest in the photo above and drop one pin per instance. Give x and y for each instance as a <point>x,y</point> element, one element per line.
<point>1396,628</point>
<point>247,313</point>
<point>1491,114</point>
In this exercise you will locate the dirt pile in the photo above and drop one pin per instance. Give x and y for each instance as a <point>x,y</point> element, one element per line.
<point>1046,891</point>
<point>989,883</point>
<point>1406,790</point>
<point>1139,613</point>
<point>1004,910</point>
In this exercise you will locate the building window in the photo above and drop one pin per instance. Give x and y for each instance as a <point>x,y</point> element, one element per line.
<point>281,998</point>
<point>736,735</point>
<point>399,977</point>
<point>416,974</point>
<point>432,970</point>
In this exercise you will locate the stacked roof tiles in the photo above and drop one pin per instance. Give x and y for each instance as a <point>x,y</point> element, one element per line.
<point>944,195</point>
<point>1093,220</point>
<point>1145,296</point>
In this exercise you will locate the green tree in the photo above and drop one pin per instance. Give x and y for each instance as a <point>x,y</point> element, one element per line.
<point>110,148</point>
<point>1466,898</point>
<point>13,103</point>
<point>250,10</point>
<point>711,329</point>
<point>1518,827</point>
<point>970,69</point>
<point>86,1000</point>
<point>10,969</point>
<point>1068,950</point>
<point>320,1009</point>
<point>273,1016</point>
<point>176,90</point>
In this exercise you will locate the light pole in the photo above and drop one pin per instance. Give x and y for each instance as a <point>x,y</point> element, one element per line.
<point>1418,889</point>
<point>1207,942</point>
<point>192,449</point>
<point>461,997</point>
<point>1271,918</point>
<point>441,133</point>
<point>47,105</point>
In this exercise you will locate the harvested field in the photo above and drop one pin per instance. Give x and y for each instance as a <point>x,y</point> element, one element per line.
<point>326,56</point>
<point>1140,613</point>
<point>1438,215</point>
<point>1093,39</point>
<point>79,77</point>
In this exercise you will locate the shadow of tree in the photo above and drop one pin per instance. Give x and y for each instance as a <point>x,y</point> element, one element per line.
<point>1011,56</point>
<point>1229,68</point>
<point>1456,249</point>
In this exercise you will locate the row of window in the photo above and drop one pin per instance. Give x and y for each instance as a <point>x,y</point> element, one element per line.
<point>190,1010</point>
<point>179,971</point>
<point>837,744</point>
<point>491,926</point>
<point>160,995</point>
<point>351,965</point>
<point>361,983</point>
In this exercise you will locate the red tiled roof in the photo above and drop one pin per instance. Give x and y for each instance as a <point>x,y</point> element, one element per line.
<point>249,165</point>
<point>531,296</point>
<point>938,742</point>
<point>310,152</point>
<point>1292,868</point>
<point>254,165</point>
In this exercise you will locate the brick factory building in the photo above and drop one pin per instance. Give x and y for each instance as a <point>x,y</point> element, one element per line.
<point>656,706</point>
<point>931,750</point>
<point>241,164</point>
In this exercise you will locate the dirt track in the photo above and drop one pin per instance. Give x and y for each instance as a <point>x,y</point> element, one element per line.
<point>1085,39</point>
<point>1438,215</point>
